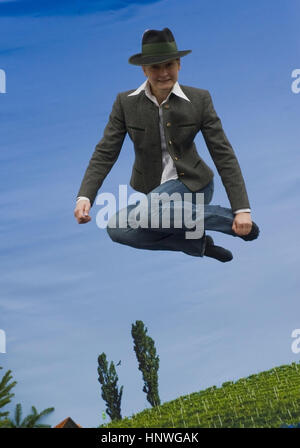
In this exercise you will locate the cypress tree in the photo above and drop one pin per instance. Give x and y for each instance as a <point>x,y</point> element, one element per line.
<point>110,394</point>
<point>148,361</point>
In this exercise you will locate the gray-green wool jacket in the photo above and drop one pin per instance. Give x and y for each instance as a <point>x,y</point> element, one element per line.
<point>182,120</point>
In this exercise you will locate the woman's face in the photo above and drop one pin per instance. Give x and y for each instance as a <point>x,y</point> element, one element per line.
<point>163,76</point>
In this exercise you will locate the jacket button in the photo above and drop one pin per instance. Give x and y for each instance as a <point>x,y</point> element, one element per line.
<point>168,124</point>
<point>170,142</point>
<point>167,106</point>
<point>176,158</point>
<point>181,174</point>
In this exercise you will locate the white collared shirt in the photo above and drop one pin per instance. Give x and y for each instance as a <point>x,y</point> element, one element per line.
<point>169,169</point>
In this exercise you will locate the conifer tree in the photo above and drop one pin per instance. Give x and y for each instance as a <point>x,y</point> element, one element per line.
<point>148,361</point>
<point>110,394</point>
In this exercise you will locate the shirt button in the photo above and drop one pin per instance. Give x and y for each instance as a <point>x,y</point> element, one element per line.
<point>168,124</point>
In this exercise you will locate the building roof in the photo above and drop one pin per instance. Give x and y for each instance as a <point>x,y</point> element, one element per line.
<point>67,423</point>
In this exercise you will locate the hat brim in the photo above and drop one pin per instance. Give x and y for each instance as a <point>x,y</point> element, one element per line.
<point>139,59</point>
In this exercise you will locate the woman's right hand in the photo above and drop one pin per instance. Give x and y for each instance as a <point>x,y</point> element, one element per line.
<point>81,211</point>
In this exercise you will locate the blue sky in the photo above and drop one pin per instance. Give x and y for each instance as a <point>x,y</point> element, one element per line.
<point>68,293</point>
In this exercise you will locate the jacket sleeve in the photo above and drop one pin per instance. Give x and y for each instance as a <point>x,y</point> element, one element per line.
<point>223,156</point>
<point>105,154</point>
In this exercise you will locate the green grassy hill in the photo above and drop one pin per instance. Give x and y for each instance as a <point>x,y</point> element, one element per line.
<point>264,400</point>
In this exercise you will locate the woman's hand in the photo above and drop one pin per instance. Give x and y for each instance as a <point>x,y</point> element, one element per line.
<point>242,223</point>
<point>81,211</point>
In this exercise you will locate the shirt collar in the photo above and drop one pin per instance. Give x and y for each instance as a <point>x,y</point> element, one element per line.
<point>145,86</point>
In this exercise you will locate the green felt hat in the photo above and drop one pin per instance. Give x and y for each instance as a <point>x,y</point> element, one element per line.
<point>157,47</point>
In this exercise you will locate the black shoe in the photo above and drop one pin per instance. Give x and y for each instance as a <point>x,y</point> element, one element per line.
<point>253,233</point>
<point>217,252</point>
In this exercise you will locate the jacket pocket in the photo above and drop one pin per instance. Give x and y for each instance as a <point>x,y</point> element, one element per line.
<point>186,125</point>
<point>135,128</point>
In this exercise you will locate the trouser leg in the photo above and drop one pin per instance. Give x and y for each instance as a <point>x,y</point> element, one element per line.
<point>162,238</point>
<point>219,219</point>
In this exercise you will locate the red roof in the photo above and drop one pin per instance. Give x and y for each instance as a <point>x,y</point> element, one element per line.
<point>68,423</point>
